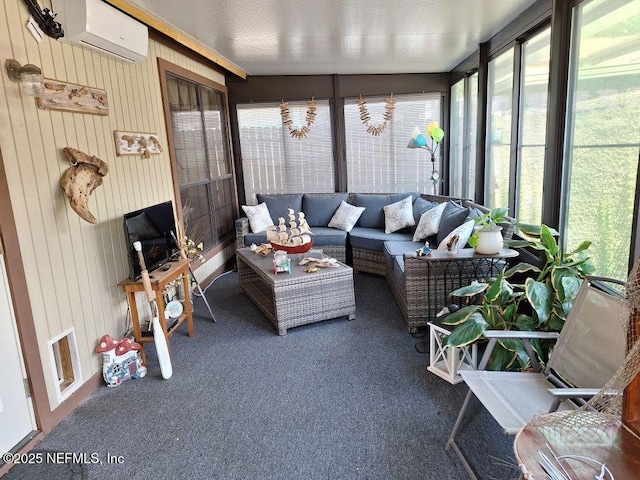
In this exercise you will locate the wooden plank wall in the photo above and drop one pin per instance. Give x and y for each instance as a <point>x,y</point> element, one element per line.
<point>73,267</point>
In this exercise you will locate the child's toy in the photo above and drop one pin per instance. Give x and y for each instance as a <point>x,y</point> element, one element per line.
<point>120,360</point>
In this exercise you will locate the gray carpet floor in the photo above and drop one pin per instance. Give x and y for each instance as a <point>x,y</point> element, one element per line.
<point>337,399</point>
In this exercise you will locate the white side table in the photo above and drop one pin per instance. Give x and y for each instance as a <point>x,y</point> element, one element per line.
<point>446,361</point>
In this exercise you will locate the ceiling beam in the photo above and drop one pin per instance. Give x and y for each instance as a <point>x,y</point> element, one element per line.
<point>178,35</point>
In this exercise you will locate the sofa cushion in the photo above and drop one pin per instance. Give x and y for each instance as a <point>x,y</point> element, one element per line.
<point>346,216</point>
<point>329,236</point>
<point>464,231</point>
<point>398,249</point>
<point>259,217</point>
<point>453,216</point>
<point>279,203</point>
<point>429,223</point>
<point>258,238</point>
<point>374,238</point>
<point>398,215</point>
<point>373,216</point>
<point>420,205</point>
<point>398,268</point>
<point>320,207</point>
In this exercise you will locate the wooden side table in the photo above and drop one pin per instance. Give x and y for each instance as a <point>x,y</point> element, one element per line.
<point>159,280</point>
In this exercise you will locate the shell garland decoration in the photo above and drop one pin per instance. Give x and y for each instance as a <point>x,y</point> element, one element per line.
<point>376,130</point>
<point>310,118</point>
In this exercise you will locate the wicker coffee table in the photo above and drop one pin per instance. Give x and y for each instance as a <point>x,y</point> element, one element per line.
<point>296,298</point>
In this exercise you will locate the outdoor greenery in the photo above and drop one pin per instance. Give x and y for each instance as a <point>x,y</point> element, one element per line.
<point>524,297</point>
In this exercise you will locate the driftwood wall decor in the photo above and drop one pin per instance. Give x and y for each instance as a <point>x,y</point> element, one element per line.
<point>137,143</point>
<point>81,179</point>
<point>71,97</point>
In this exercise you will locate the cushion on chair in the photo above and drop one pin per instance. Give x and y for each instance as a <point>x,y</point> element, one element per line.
<point>453,216</point>
<point>259,217</point>
<point>373,216</point>
<point>374,238</point>
<point>346,216</point>
<point>398,215</point>
<point>279,203</point>
<point>398,268</point>
<point>398,249</point>
<point>429,223</point>
<point>320,207</point>
<point>420,205</point>
<point>464,231</point>
<point>328,236</point>
<point>257,238</point>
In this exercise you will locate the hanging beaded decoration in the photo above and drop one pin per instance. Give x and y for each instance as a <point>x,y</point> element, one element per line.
<point>375,130</point>
<point>300,133</point>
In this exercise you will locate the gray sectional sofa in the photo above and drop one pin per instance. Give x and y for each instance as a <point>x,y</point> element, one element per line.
<point>420,285</point>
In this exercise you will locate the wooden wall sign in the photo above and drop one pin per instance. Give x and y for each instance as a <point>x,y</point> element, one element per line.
<point>71,97</point>
<point>137,143</point>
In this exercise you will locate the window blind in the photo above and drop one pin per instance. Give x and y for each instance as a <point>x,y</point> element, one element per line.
<point>384,163</point>
<point>275,162</point>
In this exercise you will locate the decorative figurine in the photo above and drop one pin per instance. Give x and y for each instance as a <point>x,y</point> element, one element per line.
<point>423,251</point>
<point>120,360</point>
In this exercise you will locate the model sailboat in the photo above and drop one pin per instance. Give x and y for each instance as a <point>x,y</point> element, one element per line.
<point>292,235</point>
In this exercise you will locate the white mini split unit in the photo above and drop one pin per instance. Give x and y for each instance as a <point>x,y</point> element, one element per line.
<point>99,26</point>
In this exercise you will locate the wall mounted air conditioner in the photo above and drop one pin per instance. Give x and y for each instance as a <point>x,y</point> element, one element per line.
<point>99,26</point>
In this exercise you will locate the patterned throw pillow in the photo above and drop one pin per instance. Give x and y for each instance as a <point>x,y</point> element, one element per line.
<point>464,231</point>
<point>429,223</point>
<point>259,217</point>
<point>346,216</point>
<point>398,215</point>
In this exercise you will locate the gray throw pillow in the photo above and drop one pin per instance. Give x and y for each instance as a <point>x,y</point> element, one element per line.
<point>453,216</point>
<point>320,207</point>
<point>420,205</point>
<point>279,203</point>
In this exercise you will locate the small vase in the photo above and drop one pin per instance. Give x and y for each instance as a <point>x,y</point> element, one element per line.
<point>489,241</point>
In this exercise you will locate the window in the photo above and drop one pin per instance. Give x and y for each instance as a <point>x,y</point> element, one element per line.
<point>456,138</point>
<point>202,158</point>
<point>602,142</point>
<point>534,81</point>
<point>273,161</point>
<point>383,163</point>
<point>499,116</point>
<point>464,131</point>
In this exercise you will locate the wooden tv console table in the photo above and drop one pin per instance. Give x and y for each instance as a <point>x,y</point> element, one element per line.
<point>159,280</point>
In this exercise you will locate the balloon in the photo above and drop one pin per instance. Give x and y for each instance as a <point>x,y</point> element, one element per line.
<point>437,134</point>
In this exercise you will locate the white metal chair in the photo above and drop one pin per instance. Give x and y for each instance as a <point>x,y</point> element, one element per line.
<point>588,350</point>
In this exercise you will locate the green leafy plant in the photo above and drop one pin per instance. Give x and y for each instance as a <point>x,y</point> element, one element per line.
<point>488,221</point>
<point>524,297</point>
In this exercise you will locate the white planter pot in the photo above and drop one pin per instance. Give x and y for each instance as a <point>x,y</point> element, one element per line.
<point>489,241</point>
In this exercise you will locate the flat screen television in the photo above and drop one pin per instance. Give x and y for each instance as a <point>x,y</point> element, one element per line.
<point>152,227</point>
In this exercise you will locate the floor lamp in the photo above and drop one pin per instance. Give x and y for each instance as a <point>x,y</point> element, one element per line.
<point>419,140</point>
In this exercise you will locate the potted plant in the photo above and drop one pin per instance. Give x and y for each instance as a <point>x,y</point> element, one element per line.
<point>487,237</point>
<point>540,301</point>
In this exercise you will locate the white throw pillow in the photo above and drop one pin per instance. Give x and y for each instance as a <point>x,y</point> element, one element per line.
<point>346,216</point>
<point>429,223</point>
<point>398,215</point>
<point>259,217</point>
<point>464,231</point>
